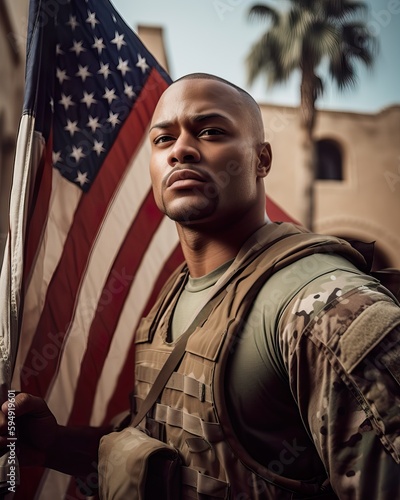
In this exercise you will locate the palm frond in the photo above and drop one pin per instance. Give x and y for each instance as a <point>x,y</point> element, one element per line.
<point>342,10</point>
<point>322,39</point>
<point>318,86</point>
<point>305,4</point>
<point>359,43</point>
<point>270,55</point>
<point>261,12</point>
<point>259,59</point>
<point>299,21</point>
<point>343,72</point>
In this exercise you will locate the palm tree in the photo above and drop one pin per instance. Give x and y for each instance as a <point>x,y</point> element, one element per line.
<point>308,36</point>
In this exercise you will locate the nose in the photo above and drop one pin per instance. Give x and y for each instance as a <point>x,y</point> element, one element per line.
<point>184,150</point>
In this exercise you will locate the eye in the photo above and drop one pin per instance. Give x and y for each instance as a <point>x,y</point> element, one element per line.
<point>162,138</point>
<point>211,131</point>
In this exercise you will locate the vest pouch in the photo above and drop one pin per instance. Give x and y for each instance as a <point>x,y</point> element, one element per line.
<point>135,466</point>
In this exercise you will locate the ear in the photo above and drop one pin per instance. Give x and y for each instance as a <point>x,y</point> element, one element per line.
<point>264,159</point>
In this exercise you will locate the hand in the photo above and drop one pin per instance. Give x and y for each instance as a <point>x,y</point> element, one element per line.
<point>36,427</point>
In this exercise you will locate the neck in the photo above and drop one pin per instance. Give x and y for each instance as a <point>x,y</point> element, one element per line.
<point>206,250</point>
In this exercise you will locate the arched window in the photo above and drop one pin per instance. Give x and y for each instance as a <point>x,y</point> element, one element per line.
<point>329,160</point>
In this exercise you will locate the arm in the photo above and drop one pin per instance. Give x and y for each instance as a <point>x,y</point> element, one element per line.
<point>344,370</point>
<point>41,441</point>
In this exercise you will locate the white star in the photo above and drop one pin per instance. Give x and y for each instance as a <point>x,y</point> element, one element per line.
<point>128,90</point>
<point>77,153</point>
<point>52,104</point>
<point>109,95</point>
<point>66,101</point>
<point>113,119</point>
<point>118,40</point>
<point>88,99</point>
<point>56,157</point>
<point>73,22</point>
<point>77,47</point>
<point>61,75</point>
<point>93,123</point>
<point>98,147</point>
<point>104,70</point>
<point>92,19</point>
<point>59,52</point>
<point>123,66</point>
<point>83,72</point>
<point>72,127</point>
<point>142,64</point>
<point>82,178</point>
<point>114,18</point>
<point>98,44</point>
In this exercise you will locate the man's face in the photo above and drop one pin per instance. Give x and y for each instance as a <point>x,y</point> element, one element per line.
<point>204,154</point>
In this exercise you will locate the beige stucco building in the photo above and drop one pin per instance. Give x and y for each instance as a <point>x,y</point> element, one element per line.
<point>13,26</point>
<point>365,203</point>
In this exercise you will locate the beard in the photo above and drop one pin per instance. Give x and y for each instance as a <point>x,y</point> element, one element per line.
<point>188,210</point>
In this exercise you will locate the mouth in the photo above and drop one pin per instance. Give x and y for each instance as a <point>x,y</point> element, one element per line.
<point>185,178</point>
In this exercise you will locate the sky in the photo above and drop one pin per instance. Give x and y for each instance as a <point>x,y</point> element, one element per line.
<point>214,36</point>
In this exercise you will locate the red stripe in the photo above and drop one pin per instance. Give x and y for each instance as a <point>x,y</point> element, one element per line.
<point>277,214</point>
<point>29,482</point>
<point>114,295</point>
<point>120,399</point>
<point>41,363</point>
<point>175,259</point>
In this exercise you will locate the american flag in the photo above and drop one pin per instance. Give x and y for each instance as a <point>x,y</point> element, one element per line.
<point>88,250</point>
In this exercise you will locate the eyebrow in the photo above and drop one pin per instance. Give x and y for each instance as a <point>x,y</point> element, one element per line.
<point>196,119</point>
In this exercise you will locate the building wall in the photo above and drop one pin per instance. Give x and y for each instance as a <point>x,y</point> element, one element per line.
<point>13,25</point>
<point>153,39</point>
<point>366,203</point>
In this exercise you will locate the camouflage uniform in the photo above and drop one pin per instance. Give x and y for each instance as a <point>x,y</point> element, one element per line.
<point>297,398</point>
<point>346,331</point>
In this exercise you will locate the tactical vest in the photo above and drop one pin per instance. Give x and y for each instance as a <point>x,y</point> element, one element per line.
<point>191,413</point>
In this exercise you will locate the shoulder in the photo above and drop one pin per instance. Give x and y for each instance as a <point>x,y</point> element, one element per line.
<point>307,285</point>
<point>332,295</point>
<point>318,297</point>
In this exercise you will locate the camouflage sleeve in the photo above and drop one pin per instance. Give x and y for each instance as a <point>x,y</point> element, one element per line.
<point>343,361</point>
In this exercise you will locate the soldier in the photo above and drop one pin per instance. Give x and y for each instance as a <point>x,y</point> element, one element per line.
<point>289,386</point>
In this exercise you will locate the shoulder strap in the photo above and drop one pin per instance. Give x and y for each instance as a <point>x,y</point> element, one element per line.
<point>174,359</point>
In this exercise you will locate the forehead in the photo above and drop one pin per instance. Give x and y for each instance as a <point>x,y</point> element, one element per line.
<point>191,97</point>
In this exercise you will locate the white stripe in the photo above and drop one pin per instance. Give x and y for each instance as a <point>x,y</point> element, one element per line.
<point>123,210</point>
<point>13,265</point>
<point>54,484</point>
<point>63,202</point>
<point>161,246</point>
